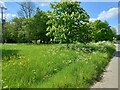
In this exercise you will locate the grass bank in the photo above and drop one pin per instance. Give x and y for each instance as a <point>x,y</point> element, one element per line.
<point>53,65</point>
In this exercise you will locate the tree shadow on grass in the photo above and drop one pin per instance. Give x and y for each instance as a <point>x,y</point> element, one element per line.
<point>8,54</point>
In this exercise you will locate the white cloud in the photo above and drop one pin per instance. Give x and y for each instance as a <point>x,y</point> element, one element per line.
<point>105,15</point>
<point>8,16</point>
<point>92,19</point>
<point>43,4</point>
<point>111,13</point>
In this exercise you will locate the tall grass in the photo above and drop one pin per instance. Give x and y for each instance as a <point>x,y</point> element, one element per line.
<point>53,65</point>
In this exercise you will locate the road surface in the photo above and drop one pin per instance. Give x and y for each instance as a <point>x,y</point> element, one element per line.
<point>110,76</point>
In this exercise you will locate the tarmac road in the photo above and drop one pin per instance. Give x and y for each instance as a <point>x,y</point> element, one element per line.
<point>110,76</point>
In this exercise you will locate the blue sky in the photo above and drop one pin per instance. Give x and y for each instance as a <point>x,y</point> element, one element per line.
<point>97,10</point>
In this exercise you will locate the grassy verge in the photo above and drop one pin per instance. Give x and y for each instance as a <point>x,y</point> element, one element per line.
<point>54,66</point>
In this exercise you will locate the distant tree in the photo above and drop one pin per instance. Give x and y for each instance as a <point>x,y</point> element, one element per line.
<point>102,31</point>
<point>26,9</point>
<point>25,30</point>
<point>66,21</point>
<point>18,23</point>
<point>114,30</point>
<point>39,23</point>
<point>17,31</point>
<point>24,34</point>
<point>9,34</point>
<point>118,37</point>
<point>114,33</point>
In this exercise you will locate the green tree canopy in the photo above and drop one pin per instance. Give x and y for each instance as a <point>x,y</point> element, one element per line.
<point>39,24</point>
<point>66,21</point>
<point>102,31</point>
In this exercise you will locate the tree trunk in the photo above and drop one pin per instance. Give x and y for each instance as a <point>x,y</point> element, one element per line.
<point>67,45</point>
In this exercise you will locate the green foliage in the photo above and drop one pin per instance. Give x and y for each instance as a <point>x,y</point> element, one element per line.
<point>25,30</point>
<point>67,22</point>
<point>17,31</point>
<point>52,66</point>
<point>102,31</point>
<point>9,33</point>
<point>118,37</point>
<point>38,32</point>
<point>55,66</point>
